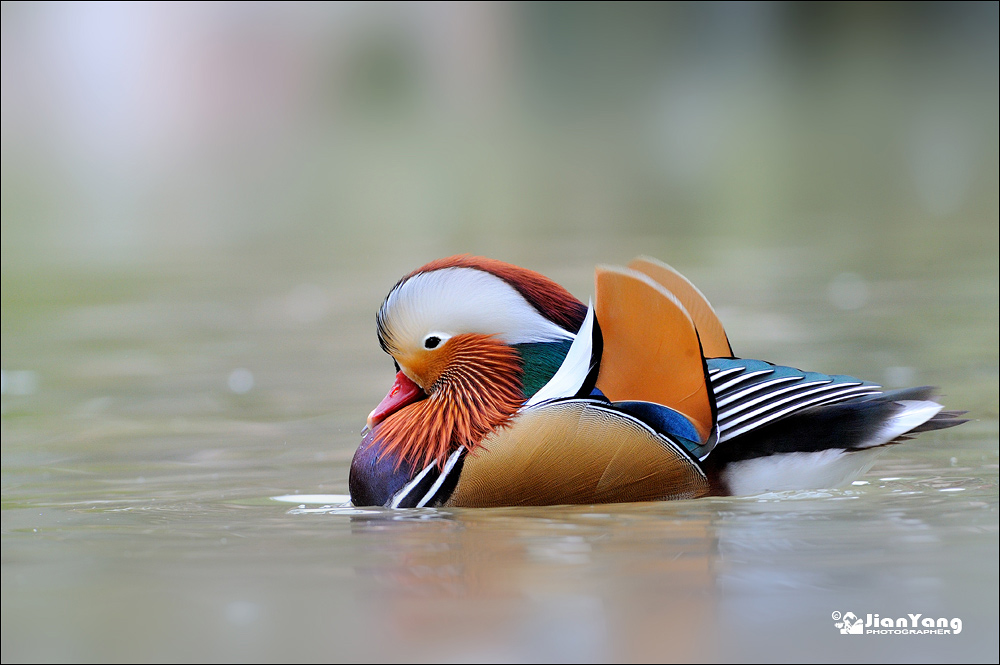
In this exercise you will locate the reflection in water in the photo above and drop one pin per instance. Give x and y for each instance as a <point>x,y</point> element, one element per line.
<point>512,583</point>
<point>679,581</point>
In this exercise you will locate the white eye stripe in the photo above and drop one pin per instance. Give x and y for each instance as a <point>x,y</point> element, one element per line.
<point>461,300</point>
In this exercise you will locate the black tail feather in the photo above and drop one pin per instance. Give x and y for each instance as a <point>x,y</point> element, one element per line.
<point>942,420</point>
<point>919,393</point>
<point>846,426</point>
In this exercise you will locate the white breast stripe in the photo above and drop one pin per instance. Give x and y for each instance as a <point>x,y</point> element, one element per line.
<point>448,466</point>
<point>401,494</point>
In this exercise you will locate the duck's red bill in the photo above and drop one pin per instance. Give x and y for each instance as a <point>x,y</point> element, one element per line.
<point>403,392</point>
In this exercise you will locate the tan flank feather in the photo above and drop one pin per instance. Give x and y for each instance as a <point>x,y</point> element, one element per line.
<point>575,453</point>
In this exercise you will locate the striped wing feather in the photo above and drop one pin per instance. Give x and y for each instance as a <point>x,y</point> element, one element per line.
<point>651,347</point>
<point>714,341</point>
<point>749,394</point>
<point>575,452</point>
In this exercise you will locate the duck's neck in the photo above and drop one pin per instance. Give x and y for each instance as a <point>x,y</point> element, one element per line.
<point>540,361</point>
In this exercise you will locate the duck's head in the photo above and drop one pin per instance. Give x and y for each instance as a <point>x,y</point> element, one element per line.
<point>471,339</point>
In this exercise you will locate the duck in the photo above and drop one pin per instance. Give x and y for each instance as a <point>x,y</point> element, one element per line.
<point>509,391</point>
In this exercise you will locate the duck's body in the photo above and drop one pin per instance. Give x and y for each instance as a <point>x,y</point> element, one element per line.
<point>509,391</point>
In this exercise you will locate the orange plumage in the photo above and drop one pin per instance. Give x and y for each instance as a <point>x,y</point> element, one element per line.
<point>477,391</point>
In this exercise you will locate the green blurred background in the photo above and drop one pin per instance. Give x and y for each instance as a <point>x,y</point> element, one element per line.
<point>227,156</point>
<point>138,136</point>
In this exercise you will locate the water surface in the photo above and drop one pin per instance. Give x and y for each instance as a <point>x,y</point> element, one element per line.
<point>155,424</point>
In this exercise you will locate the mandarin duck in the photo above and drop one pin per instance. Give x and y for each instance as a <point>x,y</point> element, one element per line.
<point>510,391</point>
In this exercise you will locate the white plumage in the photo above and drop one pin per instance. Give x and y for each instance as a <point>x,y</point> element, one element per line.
<point>463,300</point>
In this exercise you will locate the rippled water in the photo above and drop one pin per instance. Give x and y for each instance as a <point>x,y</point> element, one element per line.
<point>157,428</point>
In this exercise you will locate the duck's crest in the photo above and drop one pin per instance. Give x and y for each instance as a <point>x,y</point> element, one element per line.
<point>551,300</point>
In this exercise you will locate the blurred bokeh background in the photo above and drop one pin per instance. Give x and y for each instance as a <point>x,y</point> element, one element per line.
<point>203,205</point>
<point>141,134</point>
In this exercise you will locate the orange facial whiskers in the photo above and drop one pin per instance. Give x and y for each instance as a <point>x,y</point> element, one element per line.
<point>478,390</point>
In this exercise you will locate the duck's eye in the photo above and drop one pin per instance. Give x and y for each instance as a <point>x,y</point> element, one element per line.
<point>432,342</point>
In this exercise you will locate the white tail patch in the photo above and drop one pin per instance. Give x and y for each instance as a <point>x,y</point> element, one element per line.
<point>823,469</point>
<point>914,414</point>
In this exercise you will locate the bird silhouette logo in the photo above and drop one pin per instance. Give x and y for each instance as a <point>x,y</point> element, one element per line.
<point>850,625</point>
